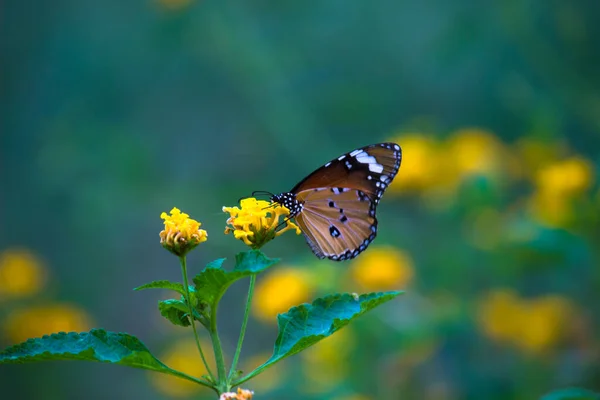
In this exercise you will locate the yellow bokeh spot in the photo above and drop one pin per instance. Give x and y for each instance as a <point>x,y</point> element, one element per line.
<point>280,290</point>
<point>420,164</point>
<point>533,325</point>
<point>327,363</point>
<point>21,273</point>
<point>477,152</point>
<point>25,323</point>
<point>183,356</point>
<point>382,268</point>
<point>497,314</point>
<point>550,209</point>
<point>569,177</point>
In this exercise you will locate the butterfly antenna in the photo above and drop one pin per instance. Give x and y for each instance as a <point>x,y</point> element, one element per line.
<point>262,193</point>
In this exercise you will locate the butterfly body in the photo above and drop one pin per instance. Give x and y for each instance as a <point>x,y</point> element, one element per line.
<point>335,206</point>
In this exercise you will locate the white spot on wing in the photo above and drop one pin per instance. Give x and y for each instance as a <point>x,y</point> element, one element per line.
<point>328,164</point>
<point>340,158</point>
<point>356,152</point>
<point>366,159</point>
<point>377,168</point>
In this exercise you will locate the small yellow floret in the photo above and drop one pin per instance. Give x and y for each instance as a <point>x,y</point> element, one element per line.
<point>181,233</point>
<point>255,221</point>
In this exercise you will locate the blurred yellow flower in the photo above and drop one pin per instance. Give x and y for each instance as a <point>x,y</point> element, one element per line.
<point>477,152</point>
<point>255,221</point>
<point>569,177</point>
<point>551,210</point>
<point>556,187</point>
<point>181,233</point>
<point>544,321</point>
<point>499,313</point>
<point>21,273</point>
<point>327,363</point>
<point>382,268</point>
<point>37,321</point>
<point>533,325</point>
<point>182,356</point>
<point>278,291</point>
<point>420,164</point>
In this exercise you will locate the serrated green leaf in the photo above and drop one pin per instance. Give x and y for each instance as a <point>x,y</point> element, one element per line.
<point>572,394</point>
<point>95,345</point>
<point>307,324</point>
<point>176,311</point>
<point>164,284</point>
<point>212,282</point>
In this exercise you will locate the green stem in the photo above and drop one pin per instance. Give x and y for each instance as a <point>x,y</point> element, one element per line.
<point>191,316</point>
<point>238,349</point>
<point>223,385</point>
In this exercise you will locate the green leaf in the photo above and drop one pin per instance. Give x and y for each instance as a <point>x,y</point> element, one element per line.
<point>572,394</point>
<point>95,345</point>
<point>307,324</point>
<point>178,287</point>
<point>212,282</point>
<point>176,311</point>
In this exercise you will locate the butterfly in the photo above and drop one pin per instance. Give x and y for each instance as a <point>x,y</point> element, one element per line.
<point>335,206</point>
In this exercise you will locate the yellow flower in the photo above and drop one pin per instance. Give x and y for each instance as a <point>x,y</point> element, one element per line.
<point>420,164</point>
<point>255,221</point>
<point>242,394</point>
<point>566,178</point>
<point>280,290</point>
<point>382,268</point>
<point>557,186</point>
<point>533,325</point>
<point>37,321</point>
<point>499,315</point>
<point>477,152</point>
<point>327,363</point>
<point>544,321</point>
<point>181,233</point>
<point>21,273</point>
<point>182,356</point>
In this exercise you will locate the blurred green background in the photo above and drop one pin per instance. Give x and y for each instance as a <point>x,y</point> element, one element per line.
<point>113,112</point>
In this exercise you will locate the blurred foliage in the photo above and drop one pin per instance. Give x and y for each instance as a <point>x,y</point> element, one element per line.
<point>113,112</point>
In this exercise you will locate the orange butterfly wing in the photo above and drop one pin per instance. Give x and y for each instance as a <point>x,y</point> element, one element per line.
<point>335,205</point>
<point>338,224</point>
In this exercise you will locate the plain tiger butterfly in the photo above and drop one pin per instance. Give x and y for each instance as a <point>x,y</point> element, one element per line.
<point>335,206</point>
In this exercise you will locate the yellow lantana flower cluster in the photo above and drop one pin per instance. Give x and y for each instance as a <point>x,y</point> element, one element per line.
<point>181,233</point>
<point>255,221</point>
<point>533,325</point>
